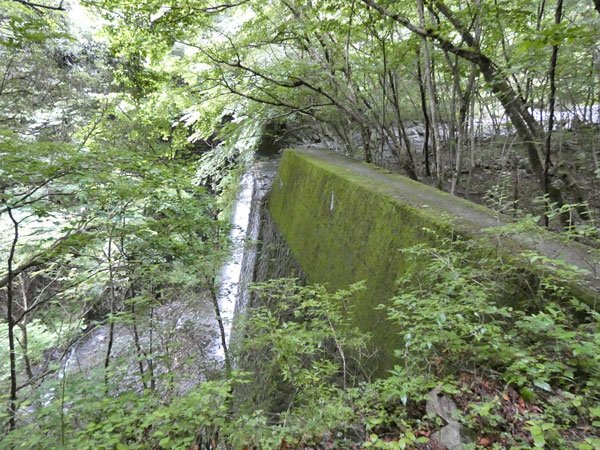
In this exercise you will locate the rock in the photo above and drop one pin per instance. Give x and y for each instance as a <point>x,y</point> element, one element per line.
<point>452,436</point>
<point>441,405</point>
<point>449,437</point>
<point>523,164</point>
<point>420,130</point>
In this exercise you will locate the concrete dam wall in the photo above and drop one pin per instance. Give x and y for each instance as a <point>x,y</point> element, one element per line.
<point>346,221</point>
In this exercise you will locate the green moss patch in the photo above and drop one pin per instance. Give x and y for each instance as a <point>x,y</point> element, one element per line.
<point>346,222</point>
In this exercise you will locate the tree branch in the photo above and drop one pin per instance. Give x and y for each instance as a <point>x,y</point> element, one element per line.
<point>41,257</point>
<point>38,6</point>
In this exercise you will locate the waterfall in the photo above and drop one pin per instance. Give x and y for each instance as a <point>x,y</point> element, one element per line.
<point>231,272</point>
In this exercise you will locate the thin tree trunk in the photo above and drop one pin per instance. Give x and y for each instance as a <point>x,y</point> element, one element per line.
<point>138,347</point>
<point>463,125</point>
<point>455,129</point>
<point>150,360</point>
<point>63,390</point>
<point>215,300</point>
<point>410,166</point>
<point>425,114</point>
<point>432,103</point>
<point>383,81</point>
<point>456,92</point>
<point>23,327</point>
<point>465,106</point>
<point>111,331</point>
<point>459,155</point>
<point>471,146</point>
<point>516,190</point>
<point>551,103</point>
<point>365,135</point>
<point>12,405</point>
<point>538,26</point>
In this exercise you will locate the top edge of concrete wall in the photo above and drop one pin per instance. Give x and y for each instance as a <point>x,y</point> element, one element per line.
<point>465,214</point>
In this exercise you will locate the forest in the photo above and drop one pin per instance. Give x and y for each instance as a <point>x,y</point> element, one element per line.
<point>126,128</point>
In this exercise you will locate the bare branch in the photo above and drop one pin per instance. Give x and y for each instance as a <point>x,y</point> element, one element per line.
<point>38,6</point>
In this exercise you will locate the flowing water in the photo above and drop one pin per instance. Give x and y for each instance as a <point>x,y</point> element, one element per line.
<point>231,272</point>
<point>191,322</point>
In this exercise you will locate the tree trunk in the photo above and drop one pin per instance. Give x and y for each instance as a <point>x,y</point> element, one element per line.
<point>150,352</point>
<point>12,405</point>
<point>551,103</point>
<point>23,327</point>
<point>111,330</point>
<point>432,104</point>
<point>471,145</point>
<point>425,114</point>
<point>138,348</point>
<point>215,300</point>
<point>410,165</point>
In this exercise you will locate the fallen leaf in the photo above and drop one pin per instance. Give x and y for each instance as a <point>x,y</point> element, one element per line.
<point>485,441</point>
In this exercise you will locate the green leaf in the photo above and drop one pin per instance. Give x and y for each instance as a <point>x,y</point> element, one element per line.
<point>543,385</point>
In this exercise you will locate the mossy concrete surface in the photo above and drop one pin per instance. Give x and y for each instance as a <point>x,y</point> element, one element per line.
<point>346,221</point>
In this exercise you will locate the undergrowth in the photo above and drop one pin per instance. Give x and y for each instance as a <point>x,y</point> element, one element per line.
<point>519,355</point>
<point>524,369</point>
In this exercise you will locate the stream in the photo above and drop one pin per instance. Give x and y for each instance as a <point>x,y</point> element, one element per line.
<point>186,329</point>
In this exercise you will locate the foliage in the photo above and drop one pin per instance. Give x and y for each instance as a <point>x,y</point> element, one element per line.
<point>51,81</point>
<point>118,163</point>
<point>460,320</point>
<point>94,224</point>
<point>522,372</point>
<point>304,354</point>
<point>86,417</point>
<point>300,337</point>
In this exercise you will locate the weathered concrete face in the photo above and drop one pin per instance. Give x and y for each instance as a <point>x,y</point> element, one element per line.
<point>346,221</point>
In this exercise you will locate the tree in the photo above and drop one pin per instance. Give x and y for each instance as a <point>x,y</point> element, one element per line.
<point>529,130</point>
<point>96,197</point>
